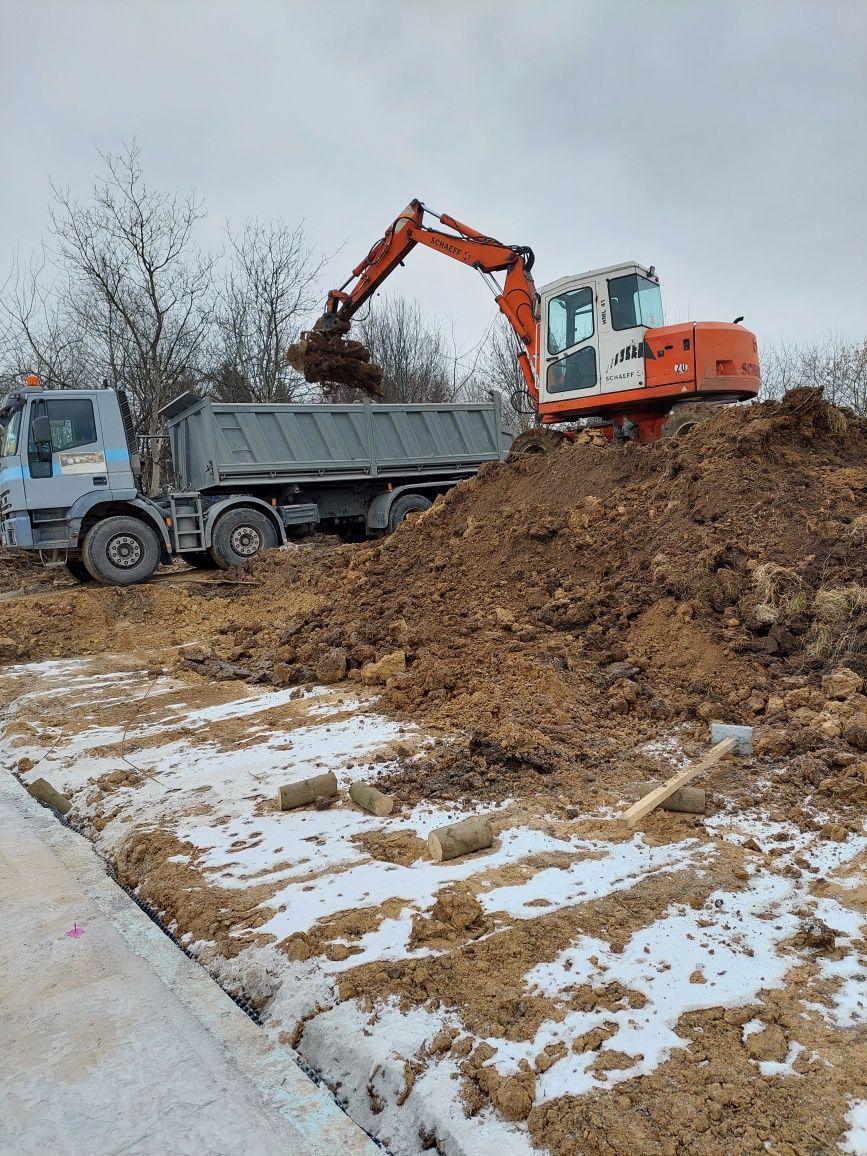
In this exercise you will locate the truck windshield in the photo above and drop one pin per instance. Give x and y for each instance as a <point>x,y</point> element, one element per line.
<point>634,301</point>
<point>10,428</point>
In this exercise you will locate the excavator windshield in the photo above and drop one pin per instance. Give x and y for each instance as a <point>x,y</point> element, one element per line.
<point>634,301</point>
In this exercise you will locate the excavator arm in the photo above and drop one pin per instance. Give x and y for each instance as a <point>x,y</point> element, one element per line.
<point>516,298</point>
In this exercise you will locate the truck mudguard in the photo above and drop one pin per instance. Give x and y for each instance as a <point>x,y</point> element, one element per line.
<point>83,505</point>
<point>380,508</point>
<point>233,500</point>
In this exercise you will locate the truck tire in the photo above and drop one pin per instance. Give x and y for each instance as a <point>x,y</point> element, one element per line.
<point>77,570</point>
<point>121,551</point>
<point>240,535</point>
<point>404,505</point>
<point>535,441</point>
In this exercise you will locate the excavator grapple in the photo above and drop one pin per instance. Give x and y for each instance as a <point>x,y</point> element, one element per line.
<point>323,354</point>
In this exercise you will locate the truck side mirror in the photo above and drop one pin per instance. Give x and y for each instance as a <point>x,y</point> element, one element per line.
<point>42,430</point>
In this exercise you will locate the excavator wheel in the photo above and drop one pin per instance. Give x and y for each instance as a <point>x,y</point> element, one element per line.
<point>686,417</point>
<point>538,440</point>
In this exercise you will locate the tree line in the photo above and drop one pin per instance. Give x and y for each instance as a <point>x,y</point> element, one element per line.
<point>832,363</point>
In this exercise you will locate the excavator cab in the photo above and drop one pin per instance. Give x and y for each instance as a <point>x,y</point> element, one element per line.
<point>605,351</point>
<point>593,330</point>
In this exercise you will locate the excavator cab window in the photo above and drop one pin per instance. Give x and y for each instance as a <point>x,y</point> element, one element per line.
<point>574,372</point>
<point>635,301</point>
<point>570,319</point>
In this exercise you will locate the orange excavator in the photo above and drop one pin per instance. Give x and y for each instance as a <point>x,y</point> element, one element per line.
<point>590,346</point>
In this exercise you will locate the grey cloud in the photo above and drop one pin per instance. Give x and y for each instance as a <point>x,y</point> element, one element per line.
<point>721,142</point>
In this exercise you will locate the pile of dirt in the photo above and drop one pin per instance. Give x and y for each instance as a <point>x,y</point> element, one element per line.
<point>563,607</point>
<point>21,571</point>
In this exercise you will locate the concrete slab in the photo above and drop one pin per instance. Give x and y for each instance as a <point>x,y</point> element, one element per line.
<point>113,1040</point>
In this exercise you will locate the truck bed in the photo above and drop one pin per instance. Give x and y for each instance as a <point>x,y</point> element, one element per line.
<point>220,446</point>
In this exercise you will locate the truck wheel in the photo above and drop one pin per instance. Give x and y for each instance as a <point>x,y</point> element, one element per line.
<point>121,551</point>
<point>240,535</point>
<point>77,569</point>
<point>406,504</point>
<point>535,441</point>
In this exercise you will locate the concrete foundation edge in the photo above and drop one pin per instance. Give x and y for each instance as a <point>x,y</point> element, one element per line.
<point>269,1066</point>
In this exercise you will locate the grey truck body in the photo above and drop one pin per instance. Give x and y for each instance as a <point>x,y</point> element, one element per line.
<point>342,466</point>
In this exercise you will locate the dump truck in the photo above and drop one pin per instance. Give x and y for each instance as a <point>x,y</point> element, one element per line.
<point>248,476</point>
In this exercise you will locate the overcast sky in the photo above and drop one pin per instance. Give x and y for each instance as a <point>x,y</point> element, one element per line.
<point>723,142</point>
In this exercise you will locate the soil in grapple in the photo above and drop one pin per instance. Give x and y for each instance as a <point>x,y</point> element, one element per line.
<point>332,359</point>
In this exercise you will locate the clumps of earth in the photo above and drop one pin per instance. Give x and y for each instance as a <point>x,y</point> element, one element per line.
<point>555,612</point>
<point>21,572</point>
<point>560,608</point>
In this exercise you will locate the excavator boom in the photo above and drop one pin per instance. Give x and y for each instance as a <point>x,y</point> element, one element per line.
<point>321,354</point>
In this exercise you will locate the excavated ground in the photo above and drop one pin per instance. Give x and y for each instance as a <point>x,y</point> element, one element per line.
<point>565,627</point>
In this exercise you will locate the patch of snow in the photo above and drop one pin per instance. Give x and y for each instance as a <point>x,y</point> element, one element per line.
<point>784,1068</point>
<point>849,1000</point>
<point>736,955</point>
<point>366,1056</point>
<point>855,1140</point>
<point>620,866</point>
<point>374,881</point>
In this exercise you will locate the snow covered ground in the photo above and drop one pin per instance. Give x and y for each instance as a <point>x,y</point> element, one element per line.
<point>206,772</point>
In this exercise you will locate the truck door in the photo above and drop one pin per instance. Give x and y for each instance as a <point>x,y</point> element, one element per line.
<point>73,463</point>
<point>570,353</point>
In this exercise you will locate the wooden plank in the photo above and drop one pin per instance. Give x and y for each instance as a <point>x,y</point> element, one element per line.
<point>632,815</point>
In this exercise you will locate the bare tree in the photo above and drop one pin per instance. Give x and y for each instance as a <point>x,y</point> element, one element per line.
<point>135,283</point>
<point>267,290</point>
<point>837,366</point>
<point>39,336</point>
<point>500,370</point>
<point>411,351</point>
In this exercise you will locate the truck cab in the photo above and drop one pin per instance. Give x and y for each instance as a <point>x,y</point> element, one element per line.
<point>70,490</point>
<point>62,453</point>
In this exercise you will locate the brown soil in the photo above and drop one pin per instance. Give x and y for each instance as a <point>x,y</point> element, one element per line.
<point>20,572</point>
<point>332,359</point>
<point>180,894</point>
<point>481,974</point>
<point>709,1100</point>
<point>549,620</point>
